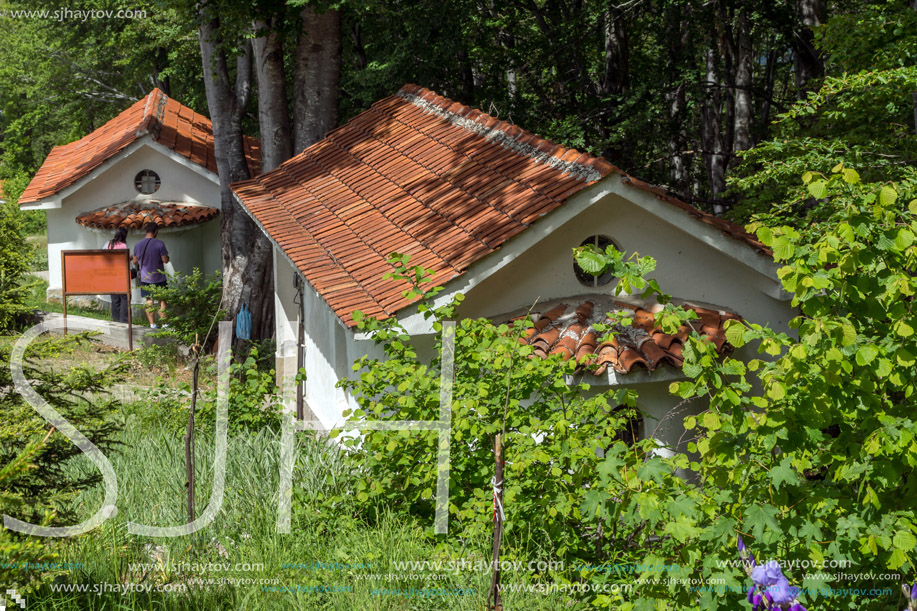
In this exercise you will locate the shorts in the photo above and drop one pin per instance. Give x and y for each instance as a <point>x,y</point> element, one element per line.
<point>144,292</point>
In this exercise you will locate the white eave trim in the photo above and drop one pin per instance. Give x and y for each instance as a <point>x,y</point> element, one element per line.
<point>52,203</point>
<point>181,159</point>
<point>130,149</point>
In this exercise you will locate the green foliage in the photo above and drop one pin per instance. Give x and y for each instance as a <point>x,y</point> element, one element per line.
<point>34,222</point>
<point>631,274</point>
<point>569,476</point>
<point>817,461</point>
<point>862,116</point>
<point>15,260</point>
<point>254,398</point>
<point>16,550</point>
<point>63,77</point>
<point>158,355</point>
<point>192,306</point>
<point>876,35</point>
<point>36,481</point>
<point>550,67</point>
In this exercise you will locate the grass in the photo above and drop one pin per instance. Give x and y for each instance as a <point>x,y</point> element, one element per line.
<point>358,555</point>
<point>151,491</point>
<point>40,259</point>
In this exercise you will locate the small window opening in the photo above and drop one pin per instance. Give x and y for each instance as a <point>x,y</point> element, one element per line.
<point>585,278</point>
<point>147,182</point>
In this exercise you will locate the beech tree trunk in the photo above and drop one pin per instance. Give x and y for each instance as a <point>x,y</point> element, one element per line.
<point>617,54</point>
<point>273,114</point>
<point>678,38</point>
<point>807,62</point>
<point>316,83</point>
<point>767,102</point>
<point>741,132</point>
<point>715,155</point>
<point>246,252</point>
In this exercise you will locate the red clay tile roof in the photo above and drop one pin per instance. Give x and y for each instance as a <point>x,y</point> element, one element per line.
<point>565,327</point>
<point>169,123</point>
<point>134,215</point>
<point>421,175</point>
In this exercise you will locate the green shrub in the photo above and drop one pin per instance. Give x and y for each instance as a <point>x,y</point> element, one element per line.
<point>571,482</point>
<point>253,399</point>
<point>39,256</point>
<point>818,463</point>
<point>34,222</point>
<point>36,484</point>
<point>192,306</point>
<point>253,396</point>
<point>15,260</point>
<point>165,356</point>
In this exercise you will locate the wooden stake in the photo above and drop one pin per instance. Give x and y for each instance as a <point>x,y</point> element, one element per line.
<point>189,432</point>
<point>494,601</point>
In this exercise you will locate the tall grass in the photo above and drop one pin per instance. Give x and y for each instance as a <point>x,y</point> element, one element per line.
<point>151,478</point>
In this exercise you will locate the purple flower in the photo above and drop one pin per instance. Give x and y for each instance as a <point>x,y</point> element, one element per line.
<point>751,594</point>
<point>741,544</point>
<point>914,591</point>
<point>756,602</point>
<point>797,607</point>
<point>767,574</point>
<point>781,593</point>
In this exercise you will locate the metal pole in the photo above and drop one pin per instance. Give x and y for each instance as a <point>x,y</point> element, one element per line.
<point>63,292</point>
<point>300,352</point>
<point>130,308</point>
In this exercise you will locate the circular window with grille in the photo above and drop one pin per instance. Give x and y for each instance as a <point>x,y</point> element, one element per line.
<point>601,242</point>
<point>147,182</point>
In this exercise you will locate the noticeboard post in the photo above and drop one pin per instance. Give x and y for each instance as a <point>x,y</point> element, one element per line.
<point>98,272</point>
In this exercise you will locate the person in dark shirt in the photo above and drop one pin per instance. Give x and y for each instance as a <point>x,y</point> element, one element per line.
<point>119,303</point>
<point>150,255</point>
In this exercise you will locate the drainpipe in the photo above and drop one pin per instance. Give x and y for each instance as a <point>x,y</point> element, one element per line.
<point>300,346</point>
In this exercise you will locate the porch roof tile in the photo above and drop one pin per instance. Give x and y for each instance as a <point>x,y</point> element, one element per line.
<point>135,214</point>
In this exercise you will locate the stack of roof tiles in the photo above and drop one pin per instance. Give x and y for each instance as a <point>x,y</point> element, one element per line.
<point>421,175</point>
<point>169,123</point>
<point>567,329</point>
<point>136,214</point>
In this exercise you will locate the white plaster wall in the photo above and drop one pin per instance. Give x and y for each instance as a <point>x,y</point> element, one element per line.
<point>330,348</point>
<point>286,314</point>
<point>686,267</point>
<point>197,246</point>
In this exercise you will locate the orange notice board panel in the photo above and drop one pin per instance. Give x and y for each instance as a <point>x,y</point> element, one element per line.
<point>94,272</point>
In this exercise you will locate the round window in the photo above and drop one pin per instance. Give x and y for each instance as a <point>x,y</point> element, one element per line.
<point>601,242</point>
<point>147,182</point>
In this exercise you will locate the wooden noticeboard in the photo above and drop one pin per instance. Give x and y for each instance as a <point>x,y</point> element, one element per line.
<point>98,272</point>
